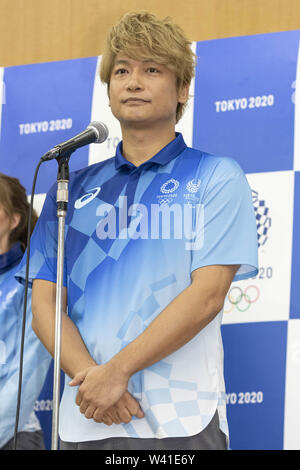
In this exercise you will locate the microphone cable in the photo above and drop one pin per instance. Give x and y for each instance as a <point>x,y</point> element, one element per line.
<point>25,305</point>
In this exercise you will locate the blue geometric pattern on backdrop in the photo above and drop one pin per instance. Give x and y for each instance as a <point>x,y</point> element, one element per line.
<point>248,114</point>
<point>263,220</point>
<point>255,369</point>
<point>45,104</point>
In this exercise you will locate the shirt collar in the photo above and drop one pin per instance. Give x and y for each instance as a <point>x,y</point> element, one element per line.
<point>11,257</point>
<point>164,156</point>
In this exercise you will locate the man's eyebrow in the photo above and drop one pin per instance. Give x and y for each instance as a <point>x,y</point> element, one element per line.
<point>121,61</point>
<point>126,62</point>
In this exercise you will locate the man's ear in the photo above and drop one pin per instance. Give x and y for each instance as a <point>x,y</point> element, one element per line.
<point>183,93</point>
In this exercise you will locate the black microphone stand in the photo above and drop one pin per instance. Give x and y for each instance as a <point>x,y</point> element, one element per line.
<point>62,197</point>
<point>97,132</point>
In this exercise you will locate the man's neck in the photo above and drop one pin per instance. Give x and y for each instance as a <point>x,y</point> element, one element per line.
<point>141,145</point>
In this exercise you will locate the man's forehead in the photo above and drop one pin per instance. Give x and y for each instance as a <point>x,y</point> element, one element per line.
<point>122,58</point>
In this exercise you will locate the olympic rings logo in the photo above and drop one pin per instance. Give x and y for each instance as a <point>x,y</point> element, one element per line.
<point>240,299</point>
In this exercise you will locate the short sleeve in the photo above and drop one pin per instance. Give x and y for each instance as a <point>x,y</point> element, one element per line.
<point>43,245</point>
<point>227,223</point>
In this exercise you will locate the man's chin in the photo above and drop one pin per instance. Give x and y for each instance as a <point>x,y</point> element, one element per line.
<point>137,122</point>
<point>141,121</point>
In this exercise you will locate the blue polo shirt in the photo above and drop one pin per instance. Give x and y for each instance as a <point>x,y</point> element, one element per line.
<point>133,237</point>
<point>36,359</point>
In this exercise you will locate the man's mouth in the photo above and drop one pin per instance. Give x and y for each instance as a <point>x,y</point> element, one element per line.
<point>135,100</point>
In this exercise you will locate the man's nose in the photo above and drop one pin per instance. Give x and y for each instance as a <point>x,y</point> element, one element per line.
<point>134,81</point>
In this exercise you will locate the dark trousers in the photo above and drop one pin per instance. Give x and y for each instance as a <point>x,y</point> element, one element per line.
<point>211,438</point>
<point>26,441</point>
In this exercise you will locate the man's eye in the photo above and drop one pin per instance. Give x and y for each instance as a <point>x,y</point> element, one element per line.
<point>153,70</point>
<point>120,71</point>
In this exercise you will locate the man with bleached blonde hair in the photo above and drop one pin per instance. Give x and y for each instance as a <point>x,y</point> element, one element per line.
<point>150,256</point>
<point>144,37</point>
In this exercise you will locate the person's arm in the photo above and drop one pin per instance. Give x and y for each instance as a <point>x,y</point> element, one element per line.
<point>74,354</point>
<point>36,362</point>
<point>175,326</point>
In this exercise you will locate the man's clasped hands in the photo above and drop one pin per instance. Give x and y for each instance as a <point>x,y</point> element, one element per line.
<point>103,396</point>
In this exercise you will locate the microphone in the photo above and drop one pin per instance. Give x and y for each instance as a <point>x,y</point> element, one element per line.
<point>96,132</point>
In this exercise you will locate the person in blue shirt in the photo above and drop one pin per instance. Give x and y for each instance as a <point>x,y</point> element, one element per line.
<point>13,240</point>
<point>154,238</point>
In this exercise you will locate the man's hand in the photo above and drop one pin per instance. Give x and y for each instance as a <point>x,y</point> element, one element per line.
<point>121,412</point>
<point>100,388</point>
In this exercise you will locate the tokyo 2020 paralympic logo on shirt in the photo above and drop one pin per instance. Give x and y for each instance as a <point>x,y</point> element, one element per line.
<point>193,186</point>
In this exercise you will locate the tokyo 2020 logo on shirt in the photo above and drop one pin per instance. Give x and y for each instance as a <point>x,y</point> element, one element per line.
<point>170,186</point>
<point>193,186</point>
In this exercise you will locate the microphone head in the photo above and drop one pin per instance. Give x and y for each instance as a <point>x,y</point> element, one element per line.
<point>100,129</point>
